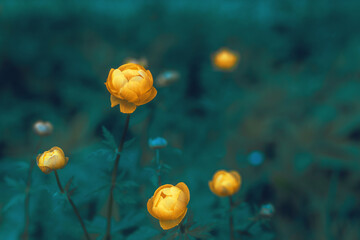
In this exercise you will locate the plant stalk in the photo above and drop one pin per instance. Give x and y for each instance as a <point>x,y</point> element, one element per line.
<point>113,180</point>
<point>157,158</point>
<point>25,235</point>
<point>73,206</point>
<point>231,219</point>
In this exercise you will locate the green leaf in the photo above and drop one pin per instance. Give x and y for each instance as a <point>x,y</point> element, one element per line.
<point>130,220</point>
<point>129,142</point>
<point>143,232</point>
<point>166,166</point>
<point>20,184</point>
<point>201,232</point>
<point>126,184</point>
<point>109,139</point>
<point>17,199</point>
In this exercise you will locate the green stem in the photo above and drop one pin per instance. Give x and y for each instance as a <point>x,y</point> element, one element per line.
<point>330,201</point>
<point>113,180</point>
<point>73,206</point>
<point>157,158</point>
<point>25,235</point>
<point>231,220</point>
<point>58,182</point>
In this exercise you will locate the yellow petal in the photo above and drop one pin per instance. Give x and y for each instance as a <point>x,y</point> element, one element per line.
<point>118,79</point>
<point>45,170</point>
<point>38,158</point>
<point>114,101</point>
<point>211,186</point>
<point>59,151</point>
<point>147,97</point>
<point>162,187</point>
<point>128,94</point>
<point>135,86</point>
<point>130,73</point>
<point>167,224</point>
<point>149,205</point>
<point>132,66</point>
<point>218,173</point>
<point>147,80</point>
<point>236,176</point>
<point>185,189</point>
<point>127,107</point>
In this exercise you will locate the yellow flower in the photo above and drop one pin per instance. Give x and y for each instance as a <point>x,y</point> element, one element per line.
<point>225,183</point>
<point>130,85</point>
<point>225,59</point>
<point>169,204</point>
<point>53,159</point>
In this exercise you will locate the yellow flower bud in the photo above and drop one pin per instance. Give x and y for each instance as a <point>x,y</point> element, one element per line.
<point>130,86</point>
<point>225,59</point>
<point>53,159</point>
<point>225,183</point>
<point>43,128</point>
<point>169,204</point>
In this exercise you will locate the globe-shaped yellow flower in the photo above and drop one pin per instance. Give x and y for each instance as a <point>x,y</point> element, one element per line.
<point>225,183</point>
<point>225,59</point>
<point>169,204</point>
<point>130,85</point>
<point>51,160</point>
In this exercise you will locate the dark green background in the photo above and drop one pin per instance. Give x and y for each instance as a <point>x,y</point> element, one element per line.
<point>294,97</point>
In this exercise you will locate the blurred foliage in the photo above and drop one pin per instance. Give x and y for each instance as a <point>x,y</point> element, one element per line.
<point>293,99</point>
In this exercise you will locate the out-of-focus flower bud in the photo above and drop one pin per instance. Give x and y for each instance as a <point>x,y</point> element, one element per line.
<point>256,158</point>
<point>267,210</point>
<point>157,143</point>
<point>130,86</point>
<point>225,59</point>
<point>43,128</point>
<point>141,61</point>
<point>167,78</point>
<point>169,204</point>
<point>51,160</point>
<point>225,183</point>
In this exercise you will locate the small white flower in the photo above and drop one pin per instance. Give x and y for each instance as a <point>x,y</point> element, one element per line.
<point>43,128</point>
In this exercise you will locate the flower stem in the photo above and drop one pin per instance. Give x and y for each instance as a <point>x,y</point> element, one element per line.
<point>25,235</point>
<point>157,158</point>
<point>231,220</point>
<point>58,182</point>
<point>73,206</point>
<point>113,180</point>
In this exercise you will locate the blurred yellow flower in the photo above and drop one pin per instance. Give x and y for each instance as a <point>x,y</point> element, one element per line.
<point>130,85</point>
<point>52,159</point>
<point>225,59</point>
<point>225,183</point>
<point>169,204</point>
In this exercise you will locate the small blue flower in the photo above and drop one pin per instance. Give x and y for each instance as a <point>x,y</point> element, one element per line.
<point>166,78</point>
<point>256,158</point>
<point>267,210</point>
<point>43,128</point>
<point>157,143</point>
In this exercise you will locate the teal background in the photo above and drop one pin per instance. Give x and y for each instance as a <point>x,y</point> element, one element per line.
<point>293,99</point>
